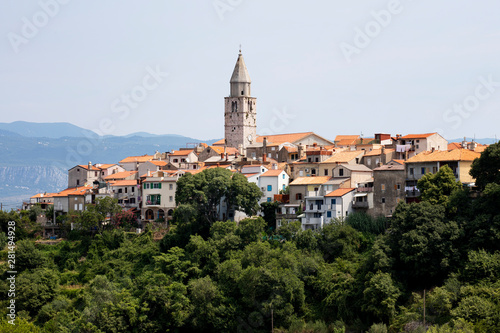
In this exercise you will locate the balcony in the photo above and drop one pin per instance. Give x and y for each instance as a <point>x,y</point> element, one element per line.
<point>364,189</point>
<point>153,203</point>
<point>360,204</point>
<point>311,221</point>
<point>315,208</point>
<point>412,193</point>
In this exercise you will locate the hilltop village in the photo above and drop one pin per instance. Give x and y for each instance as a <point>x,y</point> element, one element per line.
<point>312,179</point>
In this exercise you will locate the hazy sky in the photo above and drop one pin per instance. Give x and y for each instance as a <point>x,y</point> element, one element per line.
<point>332,67</point>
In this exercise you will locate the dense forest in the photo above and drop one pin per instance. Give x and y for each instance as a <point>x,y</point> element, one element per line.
<point>433,267</point>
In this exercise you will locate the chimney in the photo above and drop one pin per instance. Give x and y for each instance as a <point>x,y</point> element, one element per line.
<point>464,143</point>
<point>227,156</point>
<point>90,166</point>
<point>221,156</point>
<point>264,159</point>
<point>240,148</point>
<point>149,173</point>
<point>264,145</point>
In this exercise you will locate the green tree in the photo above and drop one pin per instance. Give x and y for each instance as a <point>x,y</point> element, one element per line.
<point>380,296</point>
<point>486,169</point>
<point>423,243</point>
<point>269,211</point>
<point>436,188</point>
<point>36,288</point>
<point>208,190</point>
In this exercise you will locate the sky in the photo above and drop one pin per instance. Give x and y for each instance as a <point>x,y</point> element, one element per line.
<point>332,67</point>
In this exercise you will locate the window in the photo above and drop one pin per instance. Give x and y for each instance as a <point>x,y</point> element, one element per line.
<point>316,189</point>
<point>76,206</point>
<point>77,182</point>
<point>341,172</point>
<point>183,160</point>
<point>423,171</point>
<point>313,171</point>
<point>131,200</point>
<point>268,199</point>
<point>417,146</point>
<point>133,189</point>
<point>284,187</point>
<point>369,161</point>
<point>77,170</point>
<point>334,201</point>
<point>377,161</point>
<point>283,175</point>
<point>418,141</point>
<point>298,196</point>
<point>434,169</point>
<point>95,173</point>
<point>119,190</point>
<point>317,159</point>
<point>398,186</point>
<point>301,173</point>
<point>176,160</point>
<point>411,171</point>
<point>269,188</point>
<point>382,187</point>
<point>326,172</point>
<point>126,189</point>
<point>383,200</point>
<point>309,159</point>
<point>170,198</point>
<point>328,214</point>
<point>291,169</point>
<point>171,186</point>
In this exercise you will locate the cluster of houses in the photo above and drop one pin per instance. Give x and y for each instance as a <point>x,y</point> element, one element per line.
<point>313,179</point>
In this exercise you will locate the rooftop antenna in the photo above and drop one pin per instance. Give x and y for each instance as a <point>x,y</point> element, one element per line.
<point>240,48</point>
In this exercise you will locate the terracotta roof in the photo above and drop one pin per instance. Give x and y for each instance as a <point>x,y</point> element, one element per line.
<point>444,156</point>
<point>402,162</point>
<point>203,144</point>
<point>417,136</point>
<point>180,152</point>
<point>248,175</point>
<point>356,167</point>
<point>346,140</point>
<point>340,192</point>
<point>140,159</point>
<point>73,191</point>
<point>291,149</point>
<point>220,150</point>
<point>310,180</point>
<point>43,195</point>
<point>454,145</point>
<point>343,156</point>
<point>124,183</point>
<point>105,166</point>
<point>221,142</point>
<point>272,173</point>
<point>282,138</point>
<point>120,175</point>
<point>159,163</point>
<point>86,167</point>
<point>374,152</point>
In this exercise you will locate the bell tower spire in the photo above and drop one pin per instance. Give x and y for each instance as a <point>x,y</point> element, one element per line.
<point>240,108</point>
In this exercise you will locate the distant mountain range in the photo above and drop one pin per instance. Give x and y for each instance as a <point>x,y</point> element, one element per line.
<point>487,141</point>
<point>35,157</point>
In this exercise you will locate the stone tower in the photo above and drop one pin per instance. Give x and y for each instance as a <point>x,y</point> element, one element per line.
<point>240,113</point>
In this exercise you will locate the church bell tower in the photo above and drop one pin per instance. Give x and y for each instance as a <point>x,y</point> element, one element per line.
<point>240,113</point>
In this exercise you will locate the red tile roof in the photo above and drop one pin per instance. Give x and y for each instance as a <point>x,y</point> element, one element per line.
<point>180,152</point>
<point>124,182</point>
<point>340,192</point>
<point>417,136</point>
<point>272,173</point>
<point>282,138</point>
<point>140,159</point>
